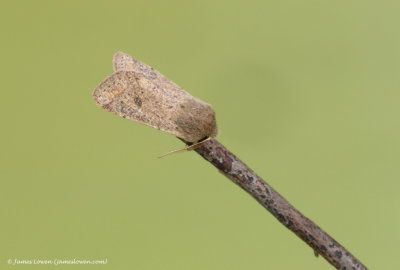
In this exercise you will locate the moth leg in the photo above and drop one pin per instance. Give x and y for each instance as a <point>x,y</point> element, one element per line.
<point>187,148</point>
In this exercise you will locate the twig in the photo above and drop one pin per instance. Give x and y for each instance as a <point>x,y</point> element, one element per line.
<point>279,207</point>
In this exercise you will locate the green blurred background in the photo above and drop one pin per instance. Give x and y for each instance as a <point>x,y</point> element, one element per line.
<point>306,92</point>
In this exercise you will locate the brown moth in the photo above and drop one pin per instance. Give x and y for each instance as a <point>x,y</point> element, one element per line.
<point>138,92</point>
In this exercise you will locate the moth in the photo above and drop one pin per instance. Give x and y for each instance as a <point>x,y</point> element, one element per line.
<point>140,93</point>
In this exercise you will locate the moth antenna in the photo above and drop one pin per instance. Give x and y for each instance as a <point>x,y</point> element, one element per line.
<point>175,151</point>
<point>187,148</point>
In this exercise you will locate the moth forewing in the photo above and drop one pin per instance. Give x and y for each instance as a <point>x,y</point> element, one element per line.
<point>142,94</point>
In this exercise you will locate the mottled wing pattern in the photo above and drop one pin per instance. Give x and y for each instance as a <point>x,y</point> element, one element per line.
<point>140,93</point>
<point>123,62</point>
